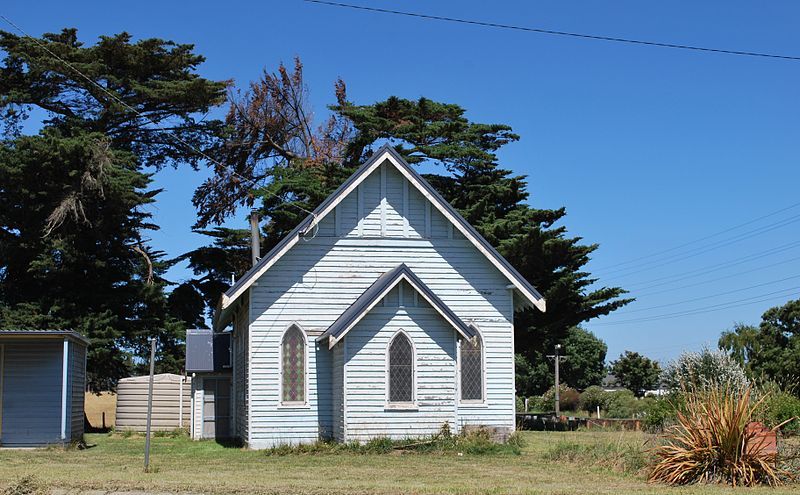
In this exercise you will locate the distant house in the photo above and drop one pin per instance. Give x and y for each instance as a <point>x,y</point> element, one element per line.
<point>42,382</point>
<point>383,314</point>
<point>610,383</point>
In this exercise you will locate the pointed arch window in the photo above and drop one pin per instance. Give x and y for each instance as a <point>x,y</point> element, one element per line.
<point>293,366</point>
<point>401,369</point>
<point>472,369</point>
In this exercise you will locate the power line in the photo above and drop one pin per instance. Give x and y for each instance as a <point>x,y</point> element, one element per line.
<point>695,241</point>
<point>697,272</point>
<point>705,249</point>
<point>759,268</point>
<point>126,106</point>
<point>650,308</point>
<point>708,309</point>
<point>671,348</point>
<point>553,32</point>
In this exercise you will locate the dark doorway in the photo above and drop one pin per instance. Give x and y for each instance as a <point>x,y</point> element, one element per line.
<point>217,407</point>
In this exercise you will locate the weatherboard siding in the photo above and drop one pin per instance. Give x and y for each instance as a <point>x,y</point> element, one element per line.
<point>322,370</point>
<point>367,414</point>
<point>372,205</point>
<point>315,282</point>
<point>384,205</point>
<point>197,407</point>
<point>384,222</point>
<point>337,390</point>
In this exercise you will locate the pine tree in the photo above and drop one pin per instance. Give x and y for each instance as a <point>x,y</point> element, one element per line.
<point>491,198</point>
<point>73,248</point>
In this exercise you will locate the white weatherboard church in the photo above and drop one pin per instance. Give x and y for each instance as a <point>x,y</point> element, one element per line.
<point>383,314</point>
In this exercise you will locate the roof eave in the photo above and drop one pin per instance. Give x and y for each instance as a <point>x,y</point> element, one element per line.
<point>51,334</point>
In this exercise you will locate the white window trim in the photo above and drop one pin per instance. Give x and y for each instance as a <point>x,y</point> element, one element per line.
<point>471,402</point>
<point>403,406</point>
<point>297,404</point>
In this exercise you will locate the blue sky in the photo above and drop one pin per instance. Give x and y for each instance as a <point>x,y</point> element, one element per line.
<point>647,148</point>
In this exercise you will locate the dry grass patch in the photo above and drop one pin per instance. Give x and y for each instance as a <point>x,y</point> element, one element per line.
<point>95,405</point>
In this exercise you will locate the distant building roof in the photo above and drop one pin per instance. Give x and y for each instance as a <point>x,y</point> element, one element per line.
<point>610,381</point>
<point>45,333</point>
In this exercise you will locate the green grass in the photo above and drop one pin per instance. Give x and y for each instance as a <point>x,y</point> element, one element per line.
<point>548,463</point>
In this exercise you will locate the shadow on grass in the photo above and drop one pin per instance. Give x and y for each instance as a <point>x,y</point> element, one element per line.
<point>229,443</point>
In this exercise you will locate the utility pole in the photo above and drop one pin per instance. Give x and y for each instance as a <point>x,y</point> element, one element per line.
<point>558,359</point>
<point>255,238</point>
<point>150,406</point>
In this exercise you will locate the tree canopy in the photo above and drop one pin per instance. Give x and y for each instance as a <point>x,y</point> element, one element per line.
<point>74,244</point>
<point>770,351</point>
<point>283,165</point>
<point>636,372</point>
<point>586,359</point>
<point>76,195</point>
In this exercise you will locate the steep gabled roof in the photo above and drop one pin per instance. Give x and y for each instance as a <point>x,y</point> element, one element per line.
<point>377,291</point>
<point>384,154</point>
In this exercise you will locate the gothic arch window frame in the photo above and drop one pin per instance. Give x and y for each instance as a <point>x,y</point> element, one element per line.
<point>412,404</point>
<point>293,404</point>
<point>482,346</point>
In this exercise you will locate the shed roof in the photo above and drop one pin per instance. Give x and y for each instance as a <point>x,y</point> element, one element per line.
<point>385,154</point>
<point>71,334</point>
<point>375,292</point>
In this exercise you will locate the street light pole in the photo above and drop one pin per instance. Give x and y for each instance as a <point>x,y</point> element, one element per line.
<point>149,406</point>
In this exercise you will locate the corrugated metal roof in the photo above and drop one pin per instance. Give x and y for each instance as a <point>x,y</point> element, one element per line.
<point>207,351</point>
<point>378,290</point>
<point>45,333</point>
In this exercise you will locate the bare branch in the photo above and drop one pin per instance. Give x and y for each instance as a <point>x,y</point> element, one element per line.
<point>139,249</point>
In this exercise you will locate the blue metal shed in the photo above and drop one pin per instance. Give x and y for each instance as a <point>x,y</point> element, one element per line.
<point>42,383</point>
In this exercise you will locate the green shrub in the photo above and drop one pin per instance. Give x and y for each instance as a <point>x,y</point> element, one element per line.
<point>591,398</point>
<point>779,407</point>
<point>658,412</point>
<point>519,403</point>
<point>536,403</point>
<point>621,404</point>
<point>568,399</point>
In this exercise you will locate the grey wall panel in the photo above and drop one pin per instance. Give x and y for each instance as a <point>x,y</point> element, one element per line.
<point>32,393</point>
<point>77,380</point>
